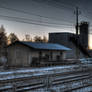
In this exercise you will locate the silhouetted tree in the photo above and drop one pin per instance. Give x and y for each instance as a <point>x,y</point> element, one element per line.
<point>12,38</point>
<point>28,38</point>
<point>3,37</point>
<point>3,44</point>
<point>39,39</point>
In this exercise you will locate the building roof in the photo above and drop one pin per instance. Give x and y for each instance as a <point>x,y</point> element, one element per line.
<point>61,33</point>
<point>44,46</point>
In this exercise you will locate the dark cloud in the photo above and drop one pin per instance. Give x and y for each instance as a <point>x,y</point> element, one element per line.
<point>53,11</point>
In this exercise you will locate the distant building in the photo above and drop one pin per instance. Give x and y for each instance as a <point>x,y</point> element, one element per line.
<point>30,53</point>
<point>61,38</point>
<point>64,39</point>
<point>69,40</point>
<point>84,34</point>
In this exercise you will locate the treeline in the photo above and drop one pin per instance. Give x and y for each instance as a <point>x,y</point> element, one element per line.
<point>12,37</point>
<point>35,38</point>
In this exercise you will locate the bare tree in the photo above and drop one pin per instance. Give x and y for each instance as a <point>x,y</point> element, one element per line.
<point>39,39</point>
<point>3,44</point>
<point>3,37</point>
<point>12,38</point>
<point>28,38</point>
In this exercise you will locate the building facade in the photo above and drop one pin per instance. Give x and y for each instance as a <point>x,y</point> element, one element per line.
<point>28,53</point>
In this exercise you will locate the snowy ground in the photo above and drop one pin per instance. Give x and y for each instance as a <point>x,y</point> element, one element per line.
<point>39,70</point>
<point>58,89</point>
<point>28,72</point>
<point>10,74</point>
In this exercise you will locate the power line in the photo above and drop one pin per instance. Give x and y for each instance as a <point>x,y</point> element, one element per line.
<point>16,10</point>
<point>88,12</point>
<point>63,5</point>
<point>56,3</point>
<point>34,20</point>
<point>27,22</point>
<point>29,13</point>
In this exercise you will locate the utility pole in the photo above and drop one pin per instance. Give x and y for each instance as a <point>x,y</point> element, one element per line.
<point>77,13</point>
<point>77,20</point>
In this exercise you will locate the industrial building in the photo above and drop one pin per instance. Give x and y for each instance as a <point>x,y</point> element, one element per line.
<point>72,41</point>
<point>83,36</point>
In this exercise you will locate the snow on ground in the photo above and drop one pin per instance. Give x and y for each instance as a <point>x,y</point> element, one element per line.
<point>19,73</point>
<point>38,70</point>
<point>24,72</point>
<point>85,89</point>
<point>32,70</point>
<point>59,89</point>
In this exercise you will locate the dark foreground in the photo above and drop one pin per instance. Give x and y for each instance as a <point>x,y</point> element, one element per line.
<point>73,78</point>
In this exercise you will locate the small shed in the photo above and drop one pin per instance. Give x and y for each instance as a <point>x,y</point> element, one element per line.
<point>23,53</point>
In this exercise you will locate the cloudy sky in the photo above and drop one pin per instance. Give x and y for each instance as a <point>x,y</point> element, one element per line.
<point>39,17</point>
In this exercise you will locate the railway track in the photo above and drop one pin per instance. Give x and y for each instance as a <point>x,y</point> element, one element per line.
<point>68,82</point>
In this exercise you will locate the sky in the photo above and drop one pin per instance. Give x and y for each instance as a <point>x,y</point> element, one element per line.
<point>39,17</point>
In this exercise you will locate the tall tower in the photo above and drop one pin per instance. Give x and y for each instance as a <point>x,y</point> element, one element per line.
<point>84,30</point>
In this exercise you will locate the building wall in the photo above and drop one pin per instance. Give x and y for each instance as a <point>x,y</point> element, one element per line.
<point>84,34</point>
<point>20,55</point>
<point>64,39</point>
<point>61,38</point>
<point>54,54</point>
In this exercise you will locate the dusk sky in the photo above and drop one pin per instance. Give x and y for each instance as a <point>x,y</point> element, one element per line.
<point>39,17</point>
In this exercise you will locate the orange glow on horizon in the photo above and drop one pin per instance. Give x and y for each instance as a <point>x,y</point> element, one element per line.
<point>90,42</point>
